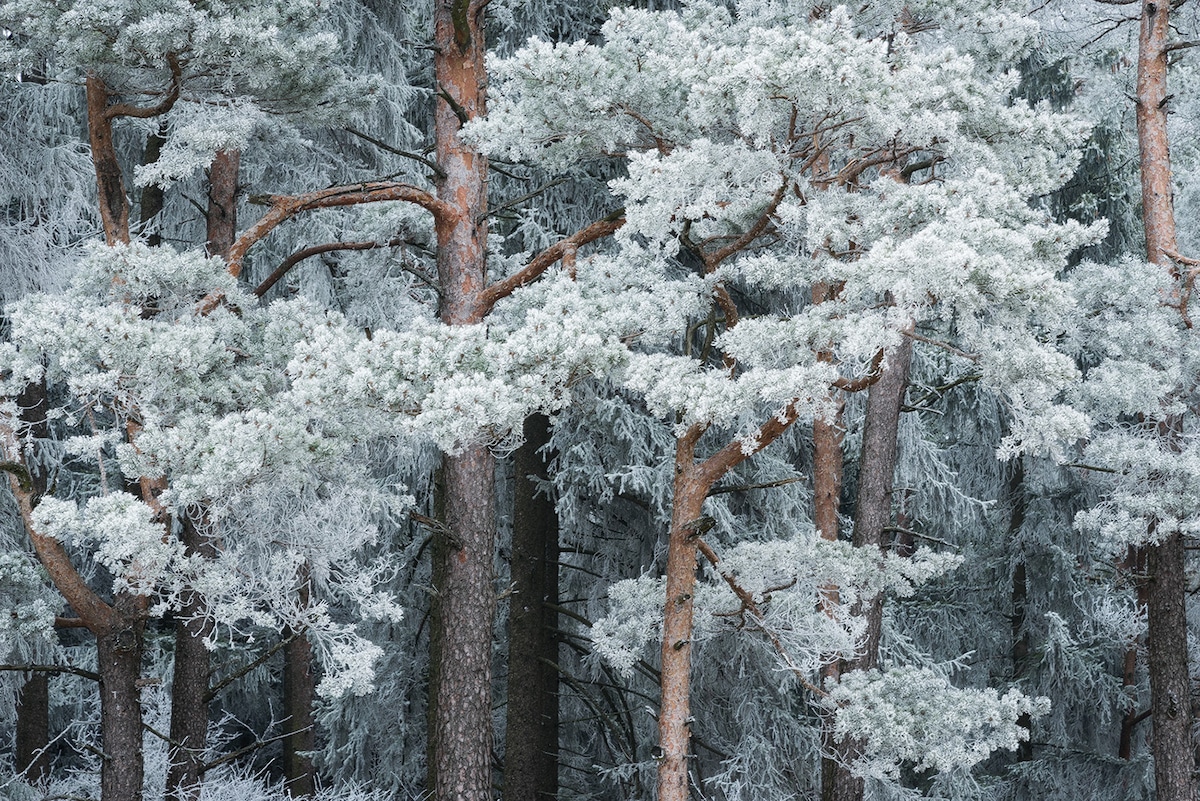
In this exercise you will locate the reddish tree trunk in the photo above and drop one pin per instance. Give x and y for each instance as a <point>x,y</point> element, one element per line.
<point>531,732</point>
<point>114,205</point>
<point>461,745</point>
<point>1174,755</point>
<point>691,488</point>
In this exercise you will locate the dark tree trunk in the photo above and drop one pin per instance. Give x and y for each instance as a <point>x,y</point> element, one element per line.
<point>33,728</point>
<point>189,684</point>
<point>462,745</point>
<point>872,514</point>
<point>299,692</point>
<point>119,659</point>
<point>531,735</point>
<point>152,196</point>
<point>33,701</point>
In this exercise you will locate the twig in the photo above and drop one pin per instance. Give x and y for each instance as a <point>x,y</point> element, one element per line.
<point>216,689</point>
<point>765,485</point>
<point>53,669</point>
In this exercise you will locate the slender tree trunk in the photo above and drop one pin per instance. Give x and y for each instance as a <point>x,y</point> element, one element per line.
<point>872,514</point>
<point>674,714</point>
<point>1174,754</point>
<point>531,734</point>
<point>119,659</point>
<point>1135,565</point>
<point>299,693</point>
<point>152,196</point>
<point>189,683</point>
<point>461,745</point>
<point>33,701</point>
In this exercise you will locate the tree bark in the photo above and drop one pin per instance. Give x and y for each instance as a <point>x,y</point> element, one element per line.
<point>461,745</point>
<point>189,683</point>
<point>33,701</point>
<point>119,659</point>
<point>152,196</point>
<point>691,486</point>
<point>531,733</point>
<point>299,693</point>
<point>114,205</point>
<point>221,227</point>
<point>872,514</point>
<point>1174,754</point>
<point>33,728</point>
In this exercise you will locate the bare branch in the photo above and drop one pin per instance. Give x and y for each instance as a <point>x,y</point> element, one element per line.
<point>52,669</point>
<point>315,250</point>
<point>406,153</point>
<point>160,108</point>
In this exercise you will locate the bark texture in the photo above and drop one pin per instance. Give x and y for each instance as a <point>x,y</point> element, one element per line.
<point>114,205</point>
<point>119,658</point>
<point>221,228</point>
<point>531,733</point>
<point>461,743</point>
<point>189,683</point>
<point>299,693</point>
<point>1174,754</point>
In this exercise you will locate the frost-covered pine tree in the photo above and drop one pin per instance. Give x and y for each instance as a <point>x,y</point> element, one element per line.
<point>774,149</point>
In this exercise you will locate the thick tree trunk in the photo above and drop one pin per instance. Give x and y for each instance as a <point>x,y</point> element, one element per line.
<point>221,229</point>
<point>1174,755</point>
<point>674,714</point>
<point>299,693</point>
<point>189,684</point>
<point>114,205</point>
<point>461,742</point>
<point>33,728</point>
<point>119,660</point>
<point>462,746</point>
<point>531,734</point>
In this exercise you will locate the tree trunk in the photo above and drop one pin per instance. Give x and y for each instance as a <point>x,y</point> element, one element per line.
<point>189,683</point>
<point>872,514</point>
<point>152,196</point>
<point>461,745</point>
<point>299,692</point>
<point>221,228</point>
<point>531,735</point>
<point>119,659</point>
<point>1174,755</point>
<point>33,729</point>
<point>674,714</point>
<point>114,205</point>
<point>33,701</point>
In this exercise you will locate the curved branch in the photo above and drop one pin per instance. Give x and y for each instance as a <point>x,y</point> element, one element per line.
<point>316,250</point>
<point>712,262</point>
<point>542,262</point>
<point>284,207</point>
<point>160,108</point>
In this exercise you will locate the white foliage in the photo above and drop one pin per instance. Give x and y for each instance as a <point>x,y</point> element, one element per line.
<point>916,716</point>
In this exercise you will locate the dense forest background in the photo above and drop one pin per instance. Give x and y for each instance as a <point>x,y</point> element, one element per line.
<point>598,400</point>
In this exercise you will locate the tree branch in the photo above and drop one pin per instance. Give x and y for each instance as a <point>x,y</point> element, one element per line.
<point>315,250</point>
<point>284,207</point>
<point>53,669</point>
<point>216,689</point>
<point>162,107</point>
<point>542,262</point>
<point>438,171</point>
